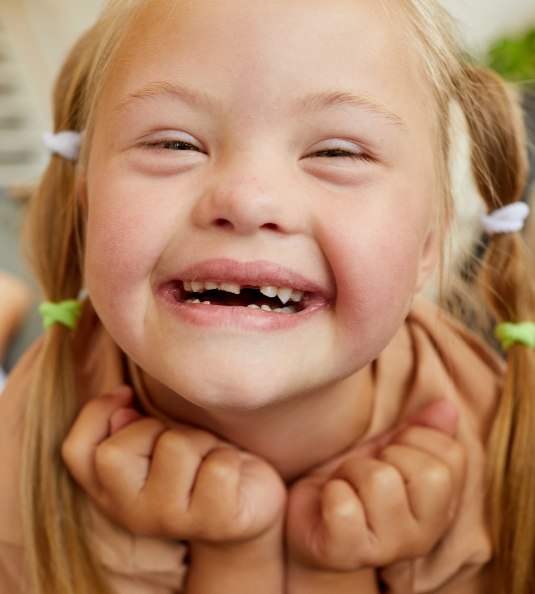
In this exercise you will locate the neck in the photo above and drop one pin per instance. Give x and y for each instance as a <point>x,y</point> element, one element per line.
<point>293,437</point>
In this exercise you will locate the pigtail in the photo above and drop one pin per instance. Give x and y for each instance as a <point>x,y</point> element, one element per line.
<point>58,555</point>
<point>500,166</point>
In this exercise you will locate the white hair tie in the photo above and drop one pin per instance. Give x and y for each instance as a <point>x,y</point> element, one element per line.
<point>509,219</point>
<point>65,144</point>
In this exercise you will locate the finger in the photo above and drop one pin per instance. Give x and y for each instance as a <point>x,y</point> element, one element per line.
<point>176,459</point>
<point>344,525</point>
<point>123,417</point>
<point>381,490</point>
<point>216,488</point>
<point>303,522</point>
<point>428,483</point>
<point>179,453</point>
<point>89,429</point>
<point>122,461</point>
<point>261,496</point>
<point>440,447</point>
<point>441,415</point>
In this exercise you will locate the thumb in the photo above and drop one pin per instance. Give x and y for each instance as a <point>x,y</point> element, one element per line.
<point>441,415</point>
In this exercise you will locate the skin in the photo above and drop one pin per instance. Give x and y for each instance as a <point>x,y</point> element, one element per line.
<point>297,152</point>
<point>259,194</point>
<point>16,299</point>
<point>245,527</point>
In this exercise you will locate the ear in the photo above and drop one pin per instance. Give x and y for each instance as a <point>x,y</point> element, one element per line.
<point>430,256</point>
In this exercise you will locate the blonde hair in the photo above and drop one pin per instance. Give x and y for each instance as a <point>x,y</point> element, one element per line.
<point>58,554</point>
<point>503,278</point>
<point>59,557</point>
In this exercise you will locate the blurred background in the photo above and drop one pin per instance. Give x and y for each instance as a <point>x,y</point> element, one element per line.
<point>35,35</point>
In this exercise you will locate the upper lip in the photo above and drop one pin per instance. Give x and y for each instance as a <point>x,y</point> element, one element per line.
<point>251,274</point>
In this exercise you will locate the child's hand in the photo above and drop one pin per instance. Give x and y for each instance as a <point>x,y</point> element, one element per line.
<point>177,482</point>
<point>389,500</point>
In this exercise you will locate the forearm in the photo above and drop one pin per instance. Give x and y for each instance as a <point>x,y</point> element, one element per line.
<point>252,567</point>
<point>304,580</point>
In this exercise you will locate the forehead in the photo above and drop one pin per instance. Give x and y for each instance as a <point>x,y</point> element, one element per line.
<point>317,44</point>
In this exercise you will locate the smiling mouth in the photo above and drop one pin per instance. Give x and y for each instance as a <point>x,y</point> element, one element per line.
<point>268,298</point>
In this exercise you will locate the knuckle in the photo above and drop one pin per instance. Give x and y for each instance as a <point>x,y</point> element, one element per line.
<point>150,425</point>
<point>108,455</point>
<point>437,475</point>
<point>384,477</point>
<point>224,464</point>
<point>173,442</point>
<point>69,452</point>
<point>455,454</point>
<point>339,505</point>
<point>412,435</point>
<point>179,442</point>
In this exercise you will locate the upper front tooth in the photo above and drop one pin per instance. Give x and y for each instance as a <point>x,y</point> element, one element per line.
<point>197,286</point>
<point>230,288</point>
<point>210,285</point>
<point>284,294</point>
<point>269,291</point>
<point>297,296</point>
<point>187,286</point>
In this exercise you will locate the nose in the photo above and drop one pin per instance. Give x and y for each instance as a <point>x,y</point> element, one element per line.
<point>245,202</point>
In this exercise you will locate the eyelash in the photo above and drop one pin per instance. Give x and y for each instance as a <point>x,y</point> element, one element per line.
<point>180,145</point>
<point>172,145</point>
<point>333,153</point>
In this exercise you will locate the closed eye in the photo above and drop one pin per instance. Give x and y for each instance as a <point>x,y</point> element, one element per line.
<point>338,150</point>
<point>168,152</point>
<point>341,153</point>
<point>173,145</point>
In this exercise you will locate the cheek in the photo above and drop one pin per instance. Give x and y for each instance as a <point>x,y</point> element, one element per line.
<point>122,246</point>
<point>375,265</point>
<point>380,281</point>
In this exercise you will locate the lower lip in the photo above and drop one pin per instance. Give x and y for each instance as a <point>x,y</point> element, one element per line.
<point>244,318</point>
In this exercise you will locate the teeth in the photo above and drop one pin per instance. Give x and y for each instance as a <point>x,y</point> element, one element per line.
<point>230,288</point>
<point>285,294</point>
<point>202,286</point>
<point>285,310</point>
<point>197,286</point>
<point>269,291</point>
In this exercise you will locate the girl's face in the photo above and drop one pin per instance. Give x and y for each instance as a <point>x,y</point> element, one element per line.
<point>259,148</point>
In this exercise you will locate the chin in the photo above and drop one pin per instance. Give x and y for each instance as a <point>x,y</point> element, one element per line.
<point>231,396</point>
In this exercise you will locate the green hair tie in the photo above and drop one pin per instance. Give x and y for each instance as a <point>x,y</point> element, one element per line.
<point>509,334</point>
<point>65,313</point>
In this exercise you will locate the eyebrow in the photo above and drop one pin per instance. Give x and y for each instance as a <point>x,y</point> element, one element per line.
<point>315,102</point>
<point>192,97</point>
<point>330,99</point>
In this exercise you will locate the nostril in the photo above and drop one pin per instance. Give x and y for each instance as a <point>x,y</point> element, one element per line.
<point>270,226</point>
<point>223,223</point>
